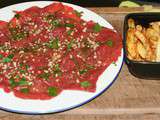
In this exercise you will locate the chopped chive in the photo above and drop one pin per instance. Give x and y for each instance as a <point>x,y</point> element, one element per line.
<point>69,25</point>
<point>97,27</point>
<point>109,43</point>
<point>17,16</point>
<point>24,90</point>
<point>52,91</point>
<point>83,71</point>
<point>85,84</point>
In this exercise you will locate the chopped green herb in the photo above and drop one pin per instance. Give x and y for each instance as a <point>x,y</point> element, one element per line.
<point>26,66</point>
<point>109,43</point>
<point>21,64</point>
<point>79,14</point>
<point>18,36</point>
<point>69,25</point>
<point>69,32</point>
<point>12,82</point>
<point>90,67</point>
<point>57,70</point>
<point>1,56</point>
<point>49,17</point>
<point>17,76</point>
<point>17,16</point>
<point>6,60</point>
<point>83,71</point>
<point>22,71</point>
<point>23,79</point>
<point>97,27</point>
<point>25,90</point>
<point>53,44</point>
<point>22,83</point>
<point>55,23</point>
<point>70,44</point>
<point>85,84</point>
<point>114,63</point>
<point>44,76</point>
<point>52,91</point>
<point>10,56</point>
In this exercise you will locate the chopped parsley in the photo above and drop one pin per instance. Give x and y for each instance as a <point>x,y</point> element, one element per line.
<point>83,71</point>
<point>55,23</point>
<point>69,32</point>
<point>52,91</point>
<point>44,76</point>
<point>23,82</point>
<point>109,43</point>
<point>70,44</point>
<point>12,83</point>
<point>1,56</point>
<point>10,56</point>
<point>57,70</point>
<point>17,16</point>
<point>69,25</point>
<point>53,44</point>
<point>24,90</point>
<point>6,60</point>
<point>97,27</point>
<point>85,84</point>
<point>114,63</point>
<point>79,14</point>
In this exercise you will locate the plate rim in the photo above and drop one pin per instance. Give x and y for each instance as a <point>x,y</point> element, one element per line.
<point>71,107</point>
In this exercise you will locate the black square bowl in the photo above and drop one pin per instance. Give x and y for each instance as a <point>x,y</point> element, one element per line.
<point>145,70</point>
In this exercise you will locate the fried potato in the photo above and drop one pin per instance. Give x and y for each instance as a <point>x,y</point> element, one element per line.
<point>155,26</point>
<point>143,44</point>
<point>141,50</point>
<point>158,51</point>
<point>131,46</point>
<point>139,28</point>
<point>131,23</point>
<point>152,34</point>
<point>141,37</point>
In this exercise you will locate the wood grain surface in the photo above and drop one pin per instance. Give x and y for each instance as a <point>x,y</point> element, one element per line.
<point>129,98</point>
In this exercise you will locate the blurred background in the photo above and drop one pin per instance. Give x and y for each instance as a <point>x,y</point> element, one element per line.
<point>90,3</point>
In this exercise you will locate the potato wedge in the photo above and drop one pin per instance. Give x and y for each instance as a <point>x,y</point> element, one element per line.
<point>141,50</point>
<point>131,23</point>
<point>158,51</point>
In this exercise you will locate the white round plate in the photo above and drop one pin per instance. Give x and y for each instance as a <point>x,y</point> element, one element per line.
<point>68,99</point>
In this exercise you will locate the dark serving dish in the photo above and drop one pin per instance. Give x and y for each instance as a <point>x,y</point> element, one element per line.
<point>146,70</point>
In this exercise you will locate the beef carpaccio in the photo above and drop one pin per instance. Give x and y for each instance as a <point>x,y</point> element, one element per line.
<point>44,51</point>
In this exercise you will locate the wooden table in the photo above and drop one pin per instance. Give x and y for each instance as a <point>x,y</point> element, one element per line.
<point>129,98</point>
